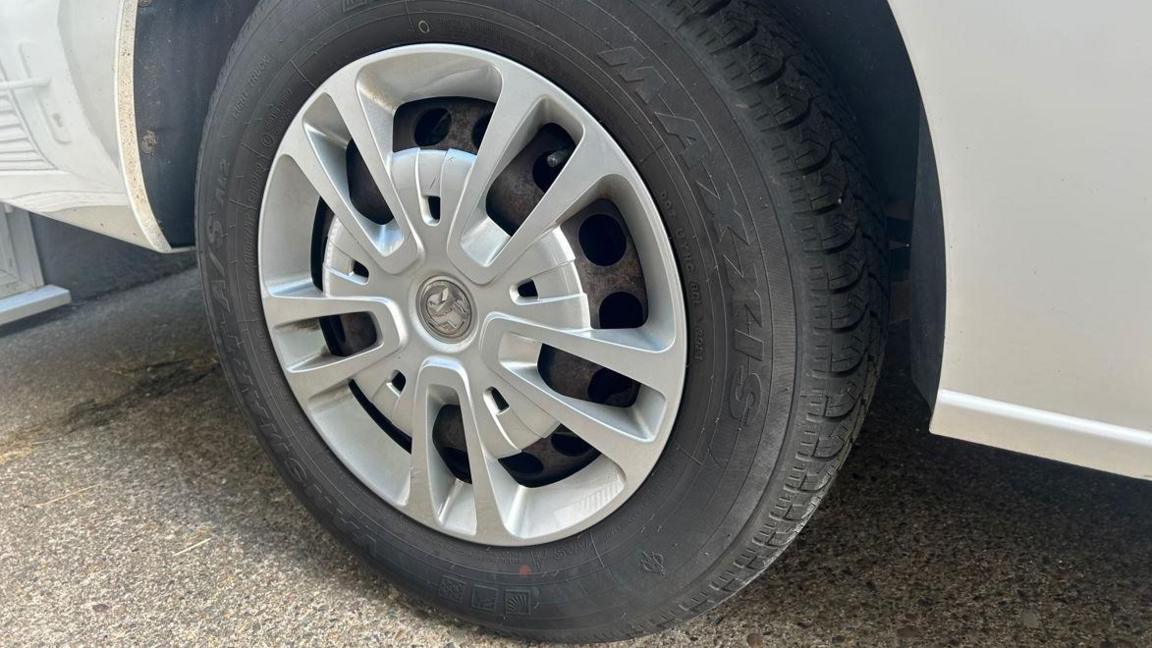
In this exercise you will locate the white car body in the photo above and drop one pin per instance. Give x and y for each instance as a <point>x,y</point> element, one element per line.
<point>1039,116</point>
<point>67,119</point>
<point>1038,112</point>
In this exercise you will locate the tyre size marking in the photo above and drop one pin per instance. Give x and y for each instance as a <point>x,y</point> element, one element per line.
<point>241,102</point>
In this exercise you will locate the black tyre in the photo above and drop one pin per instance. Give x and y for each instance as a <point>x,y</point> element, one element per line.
<point>754,164</point>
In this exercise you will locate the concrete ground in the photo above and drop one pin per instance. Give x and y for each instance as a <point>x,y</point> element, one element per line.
<point>135,508</point>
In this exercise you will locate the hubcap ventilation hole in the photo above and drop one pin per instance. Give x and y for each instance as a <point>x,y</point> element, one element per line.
<point>365,195</point>
<point>521,185</point>
<point>433,127</point>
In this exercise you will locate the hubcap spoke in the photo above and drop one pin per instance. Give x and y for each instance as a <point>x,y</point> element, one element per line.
<point>323,373</point>
<point>538,259</point>
<point>592,164</point>
<point>638,354</point>
<point>514,122</point>
<point>370,126</point>
<point>434,493</point>
<point>320,154</point>
<point>553,311</point>
<point>619,436</point>
<point>323,164</point>
<point>431,481</point>
<point>493,488</point>
<point>302,303</point>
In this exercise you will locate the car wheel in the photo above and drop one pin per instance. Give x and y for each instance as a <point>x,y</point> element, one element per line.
<point>563,316</point>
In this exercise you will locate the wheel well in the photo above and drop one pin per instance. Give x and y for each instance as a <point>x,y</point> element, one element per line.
<point>181,48</point>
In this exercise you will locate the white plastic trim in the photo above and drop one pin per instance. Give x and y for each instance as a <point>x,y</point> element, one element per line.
<point>1060,437</point>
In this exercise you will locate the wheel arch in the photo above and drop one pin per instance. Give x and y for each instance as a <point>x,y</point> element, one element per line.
<point>180,48</point>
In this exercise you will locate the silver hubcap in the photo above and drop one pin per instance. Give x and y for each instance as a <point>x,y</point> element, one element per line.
<point>441,287</point>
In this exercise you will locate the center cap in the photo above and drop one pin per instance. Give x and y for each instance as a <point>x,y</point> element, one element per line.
<point>445,309</point>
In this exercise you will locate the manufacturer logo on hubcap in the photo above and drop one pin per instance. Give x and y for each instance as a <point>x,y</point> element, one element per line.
<point>445,309</point>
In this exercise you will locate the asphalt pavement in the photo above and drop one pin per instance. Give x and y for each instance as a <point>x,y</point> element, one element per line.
<point>137,509</point>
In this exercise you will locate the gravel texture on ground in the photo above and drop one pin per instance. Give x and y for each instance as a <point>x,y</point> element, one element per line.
<point>136,509</point>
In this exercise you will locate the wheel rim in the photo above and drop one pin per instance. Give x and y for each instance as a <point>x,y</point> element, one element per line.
<point>455,314</point>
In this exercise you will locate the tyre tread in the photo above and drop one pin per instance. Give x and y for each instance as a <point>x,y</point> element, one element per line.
<point>829,202</point>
